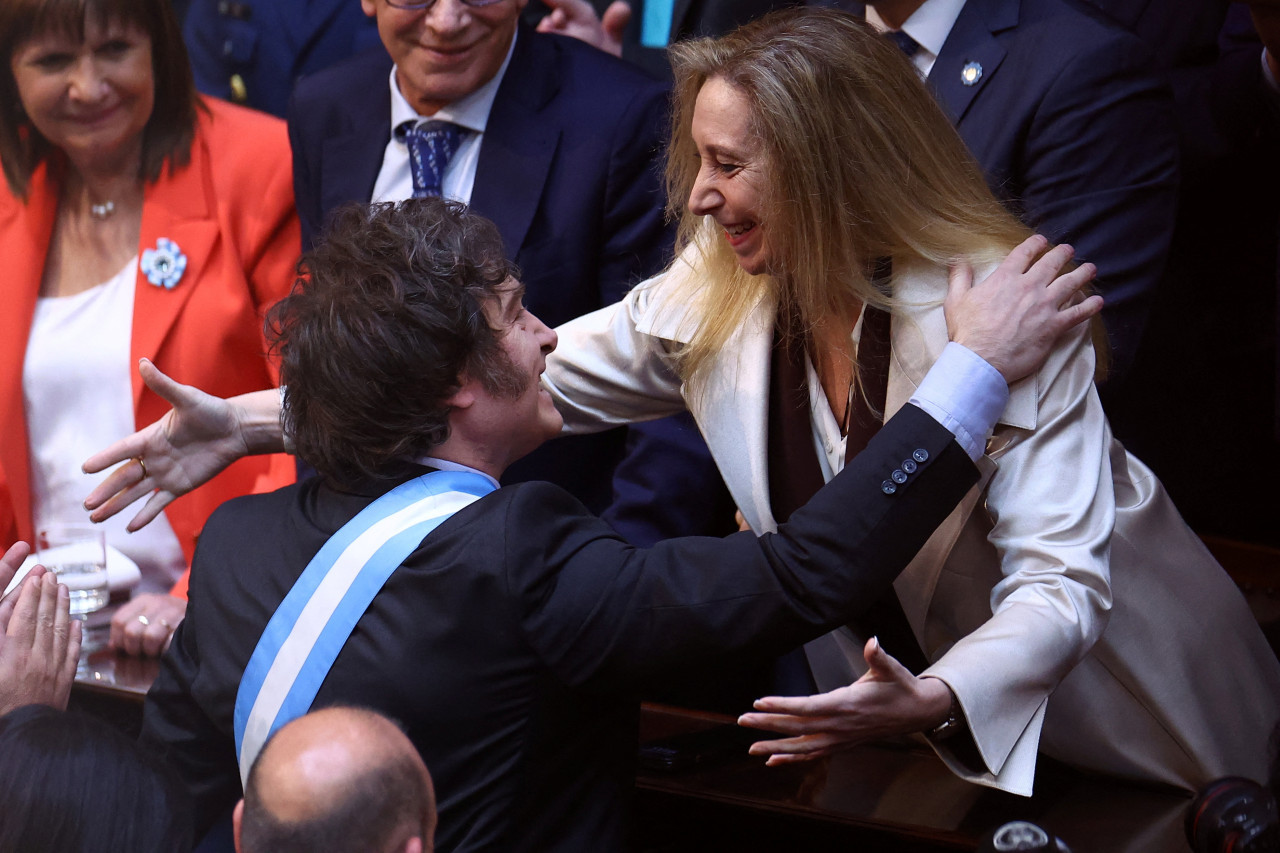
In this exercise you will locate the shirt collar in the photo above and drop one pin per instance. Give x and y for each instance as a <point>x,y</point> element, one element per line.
<point>929,25</point>
<point>448,465</point>
<point>470,111</point>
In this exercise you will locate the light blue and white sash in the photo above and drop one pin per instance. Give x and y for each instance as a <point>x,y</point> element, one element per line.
<point>310,627</point>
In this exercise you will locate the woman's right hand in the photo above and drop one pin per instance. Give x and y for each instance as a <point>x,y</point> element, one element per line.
<point>198,438</point>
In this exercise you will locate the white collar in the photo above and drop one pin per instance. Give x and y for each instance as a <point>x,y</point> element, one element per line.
<point>449,465</point>
<point>929,25</point>
<point>470,111</point>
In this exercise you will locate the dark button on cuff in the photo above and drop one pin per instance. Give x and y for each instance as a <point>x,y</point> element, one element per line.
<point>898,477</point>
<point>909,465</point>
<point>921,455</point>
<point>888,487</point>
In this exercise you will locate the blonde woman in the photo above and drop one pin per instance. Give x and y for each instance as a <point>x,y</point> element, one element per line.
<point>1065,606</point>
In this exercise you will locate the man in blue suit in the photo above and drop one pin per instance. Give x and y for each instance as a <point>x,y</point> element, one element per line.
<point>1071,127</point>
<point>252,51</point>
<point>557,143</point>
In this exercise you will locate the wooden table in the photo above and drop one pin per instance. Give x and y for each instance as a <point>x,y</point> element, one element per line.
<point>886,796</point>
<point>878,797</point>
<point>108,684</point>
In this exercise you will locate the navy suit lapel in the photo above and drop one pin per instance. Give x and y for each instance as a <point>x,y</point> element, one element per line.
<point>972,40</point>
<point>350,161</point>
<point>518,146</point>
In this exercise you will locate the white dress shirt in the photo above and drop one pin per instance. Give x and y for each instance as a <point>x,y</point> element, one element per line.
<point>78,396</point>
<point>929,26</point>
<point>395,179</point>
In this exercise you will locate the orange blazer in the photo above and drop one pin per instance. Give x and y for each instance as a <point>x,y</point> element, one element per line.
<point>231,212</point>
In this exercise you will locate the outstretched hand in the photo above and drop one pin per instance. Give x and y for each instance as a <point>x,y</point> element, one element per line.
<point>195,440</point>
<point>577,18</point>
<point>39,641</point>
<point>1015,315</point>
<point>888,700</point>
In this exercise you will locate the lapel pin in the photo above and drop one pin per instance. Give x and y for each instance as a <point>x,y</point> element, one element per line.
<point>971,73</point>
<point>164,265</point>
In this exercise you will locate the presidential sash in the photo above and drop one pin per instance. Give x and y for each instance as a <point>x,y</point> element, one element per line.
<point>312,623</point>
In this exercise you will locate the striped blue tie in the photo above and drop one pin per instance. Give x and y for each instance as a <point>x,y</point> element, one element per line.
<point>905,43</point>
<point>432,145</point>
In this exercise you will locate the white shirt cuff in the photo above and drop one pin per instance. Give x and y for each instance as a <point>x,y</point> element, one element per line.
<point>964,394</point>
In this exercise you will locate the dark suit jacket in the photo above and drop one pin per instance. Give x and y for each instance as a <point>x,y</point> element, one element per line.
<point>569,171</point>
<point>1208,360</point>
<point>1071,126</point>
<point>510,642</point>
<point>270,44</point>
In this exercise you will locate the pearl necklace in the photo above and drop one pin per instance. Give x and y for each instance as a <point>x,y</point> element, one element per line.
<point>102,211</point>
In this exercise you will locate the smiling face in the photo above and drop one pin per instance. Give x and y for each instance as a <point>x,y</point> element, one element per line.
<point>730,186</point>
<point>447,51</point>
<point>93,98</point>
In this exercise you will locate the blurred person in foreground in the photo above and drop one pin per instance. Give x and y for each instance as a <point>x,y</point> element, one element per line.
<point>137,220</point>
<point>507,628</point>
<point>71,783</point>
<point>337,779</point>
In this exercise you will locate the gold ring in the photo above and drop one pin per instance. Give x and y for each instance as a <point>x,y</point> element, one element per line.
<point>143,465</point>
<point>144,620</point>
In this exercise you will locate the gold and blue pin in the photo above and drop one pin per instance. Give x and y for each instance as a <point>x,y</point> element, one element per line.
<point>164,265</point>
<point>971,73</point>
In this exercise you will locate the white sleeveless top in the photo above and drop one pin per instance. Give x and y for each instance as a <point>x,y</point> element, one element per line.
<point>78,398</point>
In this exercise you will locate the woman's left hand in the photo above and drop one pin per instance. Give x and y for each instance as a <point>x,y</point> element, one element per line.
<point>146,623</point>
<point>888,700</point>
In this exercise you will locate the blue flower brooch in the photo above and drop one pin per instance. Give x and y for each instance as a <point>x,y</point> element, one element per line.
<point>164,265</point>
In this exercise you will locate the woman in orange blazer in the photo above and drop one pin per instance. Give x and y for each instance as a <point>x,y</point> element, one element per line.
<point>139,220</point>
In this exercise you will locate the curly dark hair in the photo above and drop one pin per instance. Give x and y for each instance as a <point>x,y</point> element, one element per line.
<point>384,321</point>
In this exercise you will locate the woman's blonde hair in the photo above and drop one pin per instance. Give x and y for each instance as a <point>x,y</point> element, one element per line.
<point>860,163</point>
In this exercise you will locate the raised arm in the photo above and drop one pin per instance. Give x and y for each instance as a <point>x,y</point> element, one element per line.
<point>197,439</point>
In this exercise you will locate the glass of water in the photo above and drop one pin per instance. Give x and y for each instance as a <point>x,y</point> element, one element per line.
<point>77,554</point>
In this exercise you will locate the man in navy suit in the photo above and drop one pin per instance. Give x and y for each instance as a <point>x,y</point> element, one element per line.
<point>560,145</point>
<point>1208,362</point>
<point>1071,126</point>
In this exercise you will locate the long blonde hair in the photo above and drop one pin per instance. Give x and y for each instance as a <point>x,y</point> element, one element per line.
<point>860,164</point>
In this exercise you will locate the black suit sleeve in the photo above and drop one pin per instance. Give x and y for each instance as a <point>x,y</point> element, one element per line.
<point>177,727</point>
<point>601,613</point>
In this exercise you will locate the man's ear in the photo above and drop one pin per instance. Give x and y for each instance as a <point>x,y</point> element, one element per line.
<point>236,817</point>
<point>413,845</point>
<point>465,396</point>
<point>369,7</point>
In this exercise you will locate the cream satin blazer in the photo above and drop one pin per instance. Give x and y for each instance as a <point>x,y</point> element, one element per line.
<point>1064,601</point>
